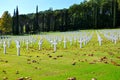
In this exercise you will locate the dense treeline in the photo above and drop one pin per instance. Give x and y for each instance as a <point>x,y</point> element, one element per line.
<point>92,14</point>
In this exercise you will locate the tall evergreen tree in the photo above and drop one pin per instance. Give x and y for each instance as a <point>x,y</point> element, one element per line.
<point>13,25</point>
<point>114,13</point>
<point>17,22</point>
<point>43,22</point>
<point>35,25</point>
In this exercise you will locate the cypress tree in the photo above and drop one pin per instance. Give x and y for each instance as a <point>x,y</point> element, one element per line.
<point>36,26</point>
<point>43,22</point>
<point>17,21</point>
<point>37,18</point>
<point>13,25</point>
<point>114,13</point>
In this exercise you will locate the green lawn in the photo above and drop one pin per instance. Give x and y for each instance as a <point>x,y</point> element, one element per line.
<point>91,61</point>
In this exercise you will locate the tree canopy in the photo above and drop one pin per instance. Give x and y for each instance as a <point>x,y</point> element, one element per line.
<point>90,14</point>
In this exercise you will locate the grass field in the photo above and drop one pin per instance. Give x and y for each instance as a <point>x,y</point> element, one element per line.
<point>91,61</point>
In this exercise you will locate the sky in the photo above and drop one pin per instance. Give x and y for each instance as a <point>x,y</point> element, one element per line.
<point>29,6</point>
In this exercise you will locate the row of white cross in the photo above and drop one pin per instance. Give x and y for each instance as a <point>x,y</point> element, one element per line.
<point>81,38</point>
<point>53,42</point>
<point>99,38</point>
<point>111,37</point>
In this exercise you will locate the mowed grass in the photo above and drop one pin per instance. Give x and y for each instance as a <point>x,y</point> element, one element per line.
<point>84,63</point>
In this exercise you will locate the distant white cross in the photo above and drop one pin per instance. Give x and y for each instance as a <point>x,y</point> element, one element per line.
<point>4,45</point>
<point>18,47</point>
<point>115,40</point>
<point>55,45</point>
<point>84,40</point>
<point>64,42</point>
<point>80,41</point>
<point>100,41</point>
<point>9,42</point>
<point>27,44</point>
<point>40,44</point>
<point>0,43</point>
<point>70,41</point>
<point>51,41</point>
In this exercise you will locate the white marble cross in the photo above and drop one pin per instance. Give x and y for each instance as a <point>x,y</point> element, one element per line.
<point>112,38</point>
<point>51,41</point>
<point>55,45</point>
<point>18,47</point>
<point>4,45</point>
<point>71,41</point>
<point>0,43</point>
<point>40,44</point>
<point>84,39</point>
<point>75,38</point>
<point>23,42</point>
<point>80,41</point>
<point>31,42</point>
<point>59,40</point>
<point>27,44</point>
<point>9,42</point>
<point>99,40</point>
<point>64,42</point>
<point>115,40</point>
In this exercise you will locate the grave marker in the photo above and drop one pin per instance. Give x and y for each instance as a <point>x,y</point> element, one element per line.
<point>80,41</point>
<point>64,42</point>
<point>0,43</point>
<point>99,40</point>
<point>18,47</point>
<point>51,41</point>
<point>115,40</point>
<point>4,45</point>
<point>75,38</point>
<point>55,45</point>
<point>71,41</point>
<point>40,44</point>
<point>31,42</point>
<point>27,44</point>
<point>84,39</point>
<point>9,42</point>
